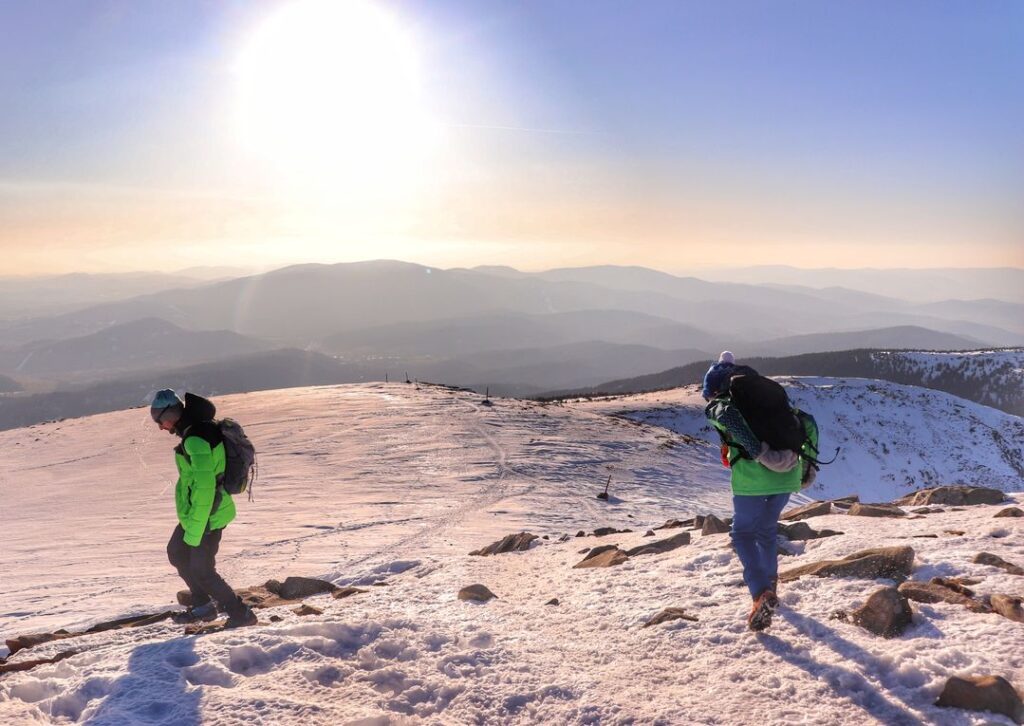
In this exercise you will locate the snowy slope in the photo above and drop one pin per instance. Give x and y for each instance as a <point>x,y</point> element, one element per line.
<point>396,483</point>
<point>893,438</point>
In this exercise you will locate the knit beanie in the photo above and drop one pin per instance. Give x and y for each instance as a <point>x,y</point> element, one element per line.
<point>726,357</point>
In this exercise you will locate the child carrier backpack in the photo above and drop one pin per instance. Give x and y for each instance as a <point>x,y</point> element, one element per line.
<point>767,410</point>
<point>240,470</point>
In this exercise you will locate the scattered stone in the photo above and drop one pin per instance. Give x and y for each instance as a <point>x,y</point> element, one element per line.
<point>476,593</point>
<point>26,665</point>
<point>581,533</point>
<point>552,601</point>
<point>545,537</point>
<point>675,523</point>
<point>880,562</point>
<point>605,531</point>
<point>1010,512</point>
<point>649,533</point>
<point>604,556</point>
<point>304,610</point>
<point>296,588</point>
<point>276,618</point>
<point>510,543</point>
<point>713,525</point>
<point>669,614</point>
<point>886,613</point>
<point>565,538</point>
<point>954,532</point>
<point>698,521</point>
<point>30,641</point>
<point>957,496</point>
<point>924,536</point>
<point>1008,606</point>
<point>799,531</point>
<point>987,558</point>
<point>957,584</point>
<point>927,510</point>
<point>846,502</point>
<point>875,510</point>
<point>814,509</point>
<point>661,546</point>
<point>932,592</point>
<point>983,693</point>
<point>343,592</point>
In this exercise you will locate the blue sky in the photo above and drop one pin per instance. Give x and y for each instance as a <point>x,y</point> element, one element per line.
<point>668,134</point>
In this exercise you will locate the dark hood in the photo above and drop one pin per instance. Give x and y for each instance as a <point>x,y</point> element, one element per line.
<point>197,410</point>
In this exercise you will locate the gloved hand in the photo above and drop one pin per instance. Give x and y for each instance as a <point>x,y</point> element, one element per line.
<point>809,477</point>
<point>779,461</point>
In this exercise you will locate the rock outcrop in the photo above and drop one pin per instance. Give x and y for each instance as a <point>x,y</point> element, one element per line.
<point>933,592</point>
<point>983,693</point>
<point>954,496</point>
<point>1008,606</point>
<point>713,525</point>
<point>886,613</point>
<point>875,510</point>
<point>814,509</point>
<point>1010,512</point>
<point>987,558</point>
<point>799,531</point>
<point>510,543</point>
<point>604,556</point>
<point>476,593</point>
<point>660,546</point>
<point>669,614</point>
<point>893,563</point>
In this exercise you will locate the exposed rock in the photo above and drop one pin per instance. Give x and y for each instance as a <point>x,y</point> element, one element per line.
<point>565,538</point>
<point>26,665</point>
<point>799,531</point>
<point>888,562</point>
<point>260,597</point>
<point>954,532</point>
<point>927,510</point>
<point>1008,606</point>
<point>846,502</point>
<point>581,533</point>
<point>983,693</point>
<point>476,593</point>
<point>1010,512</point>
<point>670,614</point>
<point>924,536</point>
<point>276,618</point>
<point>296,588</point>
<point>713,525</point>
<point>31,640</point>
<point>552,601</point>
<point>886,613</point>
<point>987,558</point>
<point>510,543</point>
<point>304,610</point>
<point>649,533</point>
<point>698,521</point>
<point>661,546</point>
<point>957,584</point>
<point>955,496</point>
<point>932,592</point>
<point>675,523</point>
<point>604,556</point>
<point>605,531</point>
<point>876,510</point>
<point>814,509</point>
<point>343,592</point>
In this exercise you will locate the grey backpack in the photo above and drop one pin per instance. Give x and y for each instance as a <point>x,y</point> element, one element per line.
<point>240,469</point>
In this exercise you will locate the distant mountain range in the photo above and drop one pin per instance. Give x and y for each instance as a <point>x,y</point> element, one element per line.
<point>992,378</point>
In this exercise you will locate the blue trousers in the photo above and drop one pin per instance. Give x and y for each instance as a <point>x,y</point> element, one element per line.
<point>754,527</point>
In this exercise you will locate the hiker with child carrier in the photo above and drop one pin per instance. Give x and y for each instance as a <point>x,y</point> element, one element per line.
<point>770,448</point>
<point>214,461</point>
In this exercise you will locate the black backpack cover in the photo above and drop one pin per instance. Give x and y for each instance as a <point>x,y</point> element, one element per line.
<point>767,411</point>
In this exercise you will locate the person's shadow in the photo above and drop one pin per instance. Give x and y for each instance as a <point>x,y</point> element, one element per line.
<point>876,693</point>
<point>154,690</point>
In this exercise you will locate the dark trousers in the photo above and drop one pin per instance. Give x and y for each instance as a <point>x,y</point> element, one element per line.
<point>197,567</point>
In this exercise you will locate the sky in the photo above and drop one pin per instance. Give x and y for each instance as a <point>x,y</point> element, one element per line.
<point>676,135</point>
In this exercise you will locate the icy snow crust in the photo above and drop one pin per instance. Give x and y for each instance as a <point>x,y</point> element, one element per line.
<point>396,484</point>
<point>894,439</point>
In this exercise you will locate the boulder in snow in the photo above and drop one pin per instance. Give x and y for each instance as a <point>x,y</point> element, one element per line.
<point>604,556</point>
<point>1008,606</point>
<point>814,509</point>
<point>661,546</point>
<point>889,562</point>
<point>1010,512</point>
<point>343,592</point>
<point>799,531</point>
<point>605,531</point>
<point>669,614</point>
<point>713,525</point>
<point>476,593</point>
<point>983,693</point>
<point>510,543</point>
<point>886,613</point>
<point>987,558</point>
<point>303,610</point>
<point>954,496</point>
<point>932,592</point>
<point>876,510</point>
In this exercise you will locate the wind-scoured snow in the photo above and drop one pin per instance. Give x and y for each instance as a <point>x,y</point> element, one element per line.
<point>893,439</point>
<point>396,484</point>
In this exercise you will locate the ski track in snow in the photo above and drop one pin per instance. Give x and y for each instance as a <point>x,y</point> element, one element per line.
<point>418,476</point>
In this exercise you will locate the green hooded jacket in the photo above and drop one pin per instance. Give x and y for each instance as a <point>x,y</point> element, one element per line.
<point>201,504</point>
<point>750,478</point>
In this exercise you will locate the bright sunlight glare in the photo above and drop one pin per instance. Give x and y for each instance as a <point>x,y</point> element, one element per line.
<point>329,96</point>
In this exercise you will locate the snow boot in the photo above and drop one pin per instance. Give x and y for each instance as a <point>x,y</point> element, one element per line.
<point>242,619</point>
<point>762,611</point>
<point>197,614</point>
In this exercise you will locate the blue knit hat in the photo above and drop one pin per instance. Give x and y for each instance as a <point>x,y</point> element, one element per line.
<point>162,401</point>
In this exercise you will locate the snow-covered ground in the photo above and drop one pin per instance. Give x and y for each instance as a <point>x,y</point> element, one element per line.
<point>396,483</point>
<point>893,438</point>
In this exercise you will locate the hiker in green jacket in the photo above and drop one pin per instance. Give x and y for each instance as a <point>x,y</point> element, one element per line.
<point>204,508</point>
<point>762,481</point>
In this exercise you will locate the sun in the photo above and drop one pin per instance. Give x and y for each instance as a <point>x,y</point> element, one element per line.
<point>329,94</point>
